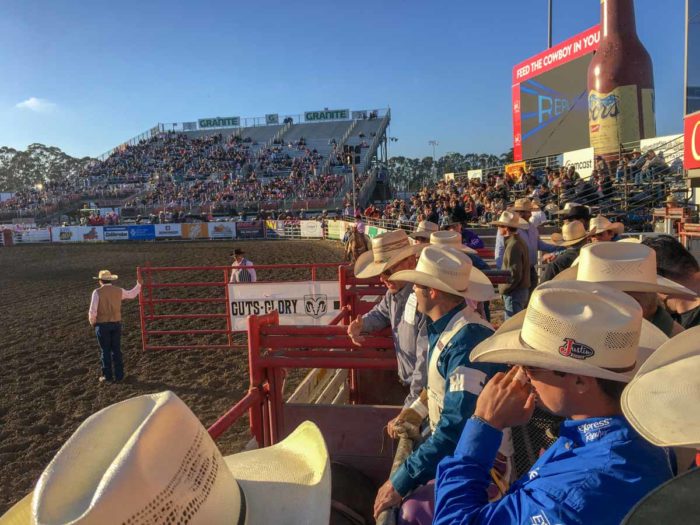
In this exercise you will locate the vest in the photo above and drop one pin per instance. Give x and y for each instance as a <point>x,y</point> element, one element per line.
<point>109,307</point>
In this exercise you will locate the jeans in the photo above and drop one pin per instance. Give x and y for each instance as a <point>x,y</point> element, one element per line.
<point>109,337</point>
<point>515,302</point>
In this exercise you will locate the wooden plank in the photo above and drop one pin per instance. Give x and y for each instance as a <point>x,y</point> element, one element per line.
<point>333,387</point>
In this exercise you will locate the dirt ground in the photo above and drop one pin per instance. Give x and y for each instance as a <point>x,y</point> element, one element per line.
<point>49,359</point>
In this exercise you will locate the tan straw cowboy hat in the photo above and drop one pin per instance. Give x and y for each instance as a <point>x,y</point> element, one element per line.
<point>627,266</point>
<point>523,204</point>
<point>449,239</point>
<point>511,219</point>
<point>388,249</point>
<point>450,271</point>
<point>600,224</point>
<point>576,327</point>
<point>106,275</point>
<point>662,400</point>
<point>148,460</point>
<point>424,229</point>
<point>571,233</point>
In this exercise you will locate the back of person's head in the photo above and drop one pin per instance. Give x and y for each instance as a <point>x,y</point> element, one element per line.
<point>673,260</point>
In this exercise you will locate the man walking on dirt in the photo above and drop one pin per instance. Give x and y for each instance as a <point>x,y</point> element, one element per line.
<point>105,315</point>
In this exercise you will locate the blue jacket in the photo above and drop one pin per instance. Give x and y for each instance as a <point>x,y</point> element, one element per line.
<point>420,466</point>
<point>594,473</point>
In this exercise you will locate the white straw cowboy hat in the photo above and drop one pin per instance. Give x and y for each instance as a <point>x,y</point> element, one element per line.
<point>571,233</point>
<point>450,271</point>
<point>600,224</point>
<point>424,229</point>
<point>388,249</point>
<point>523,204</point>
<point>449,239</point>
<point>511,219</point>
<point>575,327</point>
<point>568,207</point>
<point>662,400</point>
<point>627,266</point>
<point>106,275</point>
<point>148,460</point>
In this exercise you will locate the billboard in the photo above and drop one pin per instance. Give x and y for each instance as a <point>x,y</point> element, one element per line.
<point>692,57</point>
<point>168,231</point>
<point>77,234</point>
<point>550,103</point>
<point>692,142</point>
<point>116,233</point>
<point>141,232</point>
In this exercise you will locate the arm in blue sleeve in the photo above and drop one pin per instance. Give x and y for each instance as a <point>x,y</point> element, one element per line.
<point>499,250</point>
<point>546,247</point>
<point>378,317</point>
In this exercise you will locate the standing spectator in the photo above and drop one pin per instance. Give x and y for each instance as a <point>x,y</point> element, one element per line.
<point>105,315</point>
<point>516,260</point>
<point>243,274</point>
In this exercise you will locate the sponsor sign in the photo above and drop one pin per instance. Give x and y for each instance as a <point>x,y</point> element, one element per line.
<point>141,232</point>
<point>219,122</point>
<point>272,118</point>
<point>475,174</point>
<point>581,160</point>
<point>222,230</point>
<point>6,195</point>
<point>336,230</point>
<point>168,231</point>
<point>513,170</point>
<point>189,126</point>
<point>358,115</point>
<point>77,234</point>
<point>116,233</point>
<point>249,229</point>
<point>195,230</point>
<point>327,114</point>
<point>448,177</point>
<point>302,303</point>
<point>671,151</point>
<point>311,229</point>
<point>692,141</point>
<point>274,229</point>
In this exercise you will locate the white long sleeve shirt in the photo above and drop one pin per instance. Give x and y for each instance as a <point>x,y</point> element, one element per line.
<point>236,275</point>
<point>95,300</point>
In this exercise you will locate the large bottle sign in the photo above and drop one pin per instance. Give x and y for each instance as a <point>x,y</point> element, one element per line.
<point>614,117</point>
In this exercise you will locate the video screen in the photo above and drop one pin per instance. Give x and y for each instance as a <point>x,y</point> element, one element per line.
<point>692,102</point>
<point>554,110</point>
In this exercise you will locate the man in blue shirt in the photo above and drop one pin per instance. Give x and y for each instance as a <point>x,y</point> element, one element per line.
<point>576,345</point>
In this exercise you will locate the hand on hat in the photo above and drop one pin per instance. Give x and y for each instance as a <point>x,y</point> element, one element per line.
<point>355,331</point>
<point>506,400</point>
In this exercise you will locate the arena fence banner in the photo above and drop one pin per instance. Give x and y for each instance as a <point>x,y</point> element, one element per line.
<point>116,233</point>
<point>222,230</point>
<point>373,231</point>
<point>311,229</point>
<point>168,231</point>
<point>659,143</point>
<point>274,229</point>
<point>301,303</point>
<point>77,234</point>
<point>475,174</point>
<point>336,230</point>
<point>250,229</point>
<point>142,232</point>
<point>581,160</point>
<point>30,236</point>
<point>195,230</point>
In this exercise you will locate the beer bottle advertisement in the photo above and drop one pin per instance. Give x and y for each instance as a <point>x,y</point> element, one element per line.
<point>620,82</point>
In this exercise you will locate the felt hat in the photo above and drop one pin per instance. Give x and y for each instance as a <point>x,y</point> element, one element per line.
<point>149,460</point>
<point>450,271</point>
<point>523,204</point>
<point>106,275</point>
<point>571,233</point>
<point>388,249</point>
<point>662,400</point>
<point>511,219</point>
<point>626,266</point>
<point>675,501</point>
<point>599,224</point>
<point>575,327</point>
<point>424,229</point>
<point>237,251</point>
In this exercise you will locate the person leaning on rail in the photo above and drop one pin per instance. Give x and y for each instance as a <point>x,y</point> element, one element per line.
<point>575,347</point>
<point>572,237</point>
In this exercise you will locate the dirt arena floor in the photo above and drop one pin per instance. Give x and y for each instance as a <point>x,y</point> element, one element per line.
<point>49,359</point>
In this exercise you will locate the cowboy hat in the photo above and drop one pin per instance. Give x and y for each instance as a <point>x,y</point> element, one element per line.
<point>675,501</point>
<point>149,460</point>
<point>571,233</point>
<point>661,401</point>
<point>449,239</point>
<point>628,266</point>
<point>523,204</point>
<point>388,249</point>
<point>424,229</point>
<point>575,327</point>
<point>567,208</point>
<point>450,271</point>
<point>575,212</point>
<point>511,219</point>
<point>600,224</point>
<point>106,275</point>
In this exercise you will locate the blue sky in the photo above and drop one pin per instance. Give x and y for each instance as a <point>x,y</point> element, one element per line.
<point>86,76</point>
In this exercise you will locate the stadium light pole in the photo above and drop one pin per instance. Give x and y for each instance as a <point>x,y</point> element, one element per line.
<point>433,143</point>
<point>549,23</point>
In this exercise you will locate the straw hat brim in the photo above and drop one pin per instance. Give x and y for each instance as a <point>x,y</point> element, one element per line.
<point>365,267</point>
<point>288,482</point>
<point>110,278</point>
<point>558,240</point>
<point>479,288</point>
<point>616,227</point>
<point>506,347</point>
<point>522,224</point>
<point>420,235</point>
<point>662,285</point>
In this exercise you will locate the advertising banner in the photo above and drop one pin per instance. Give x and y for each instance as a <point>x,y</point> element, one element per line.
<point>302,303</point>
<point>336,230</point>
<point>168,231</point>
<point>116,233</point>
<point>77,234</point>
<point>692,141</point>
<point>219,122</point>
<point>311,229</point>
<point>448,177</point>
<point>272,118</point>
<point>581,160</point>
<point>250,229</point>
<point>141,232</point>
<point>30,236</point>
<point>475,174</point>
<point>274,229</point>
<point>671,151</point>
<point>513,170</point>
<point>222,230</point>
<point>327,114</point>
<point>195,230</point>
